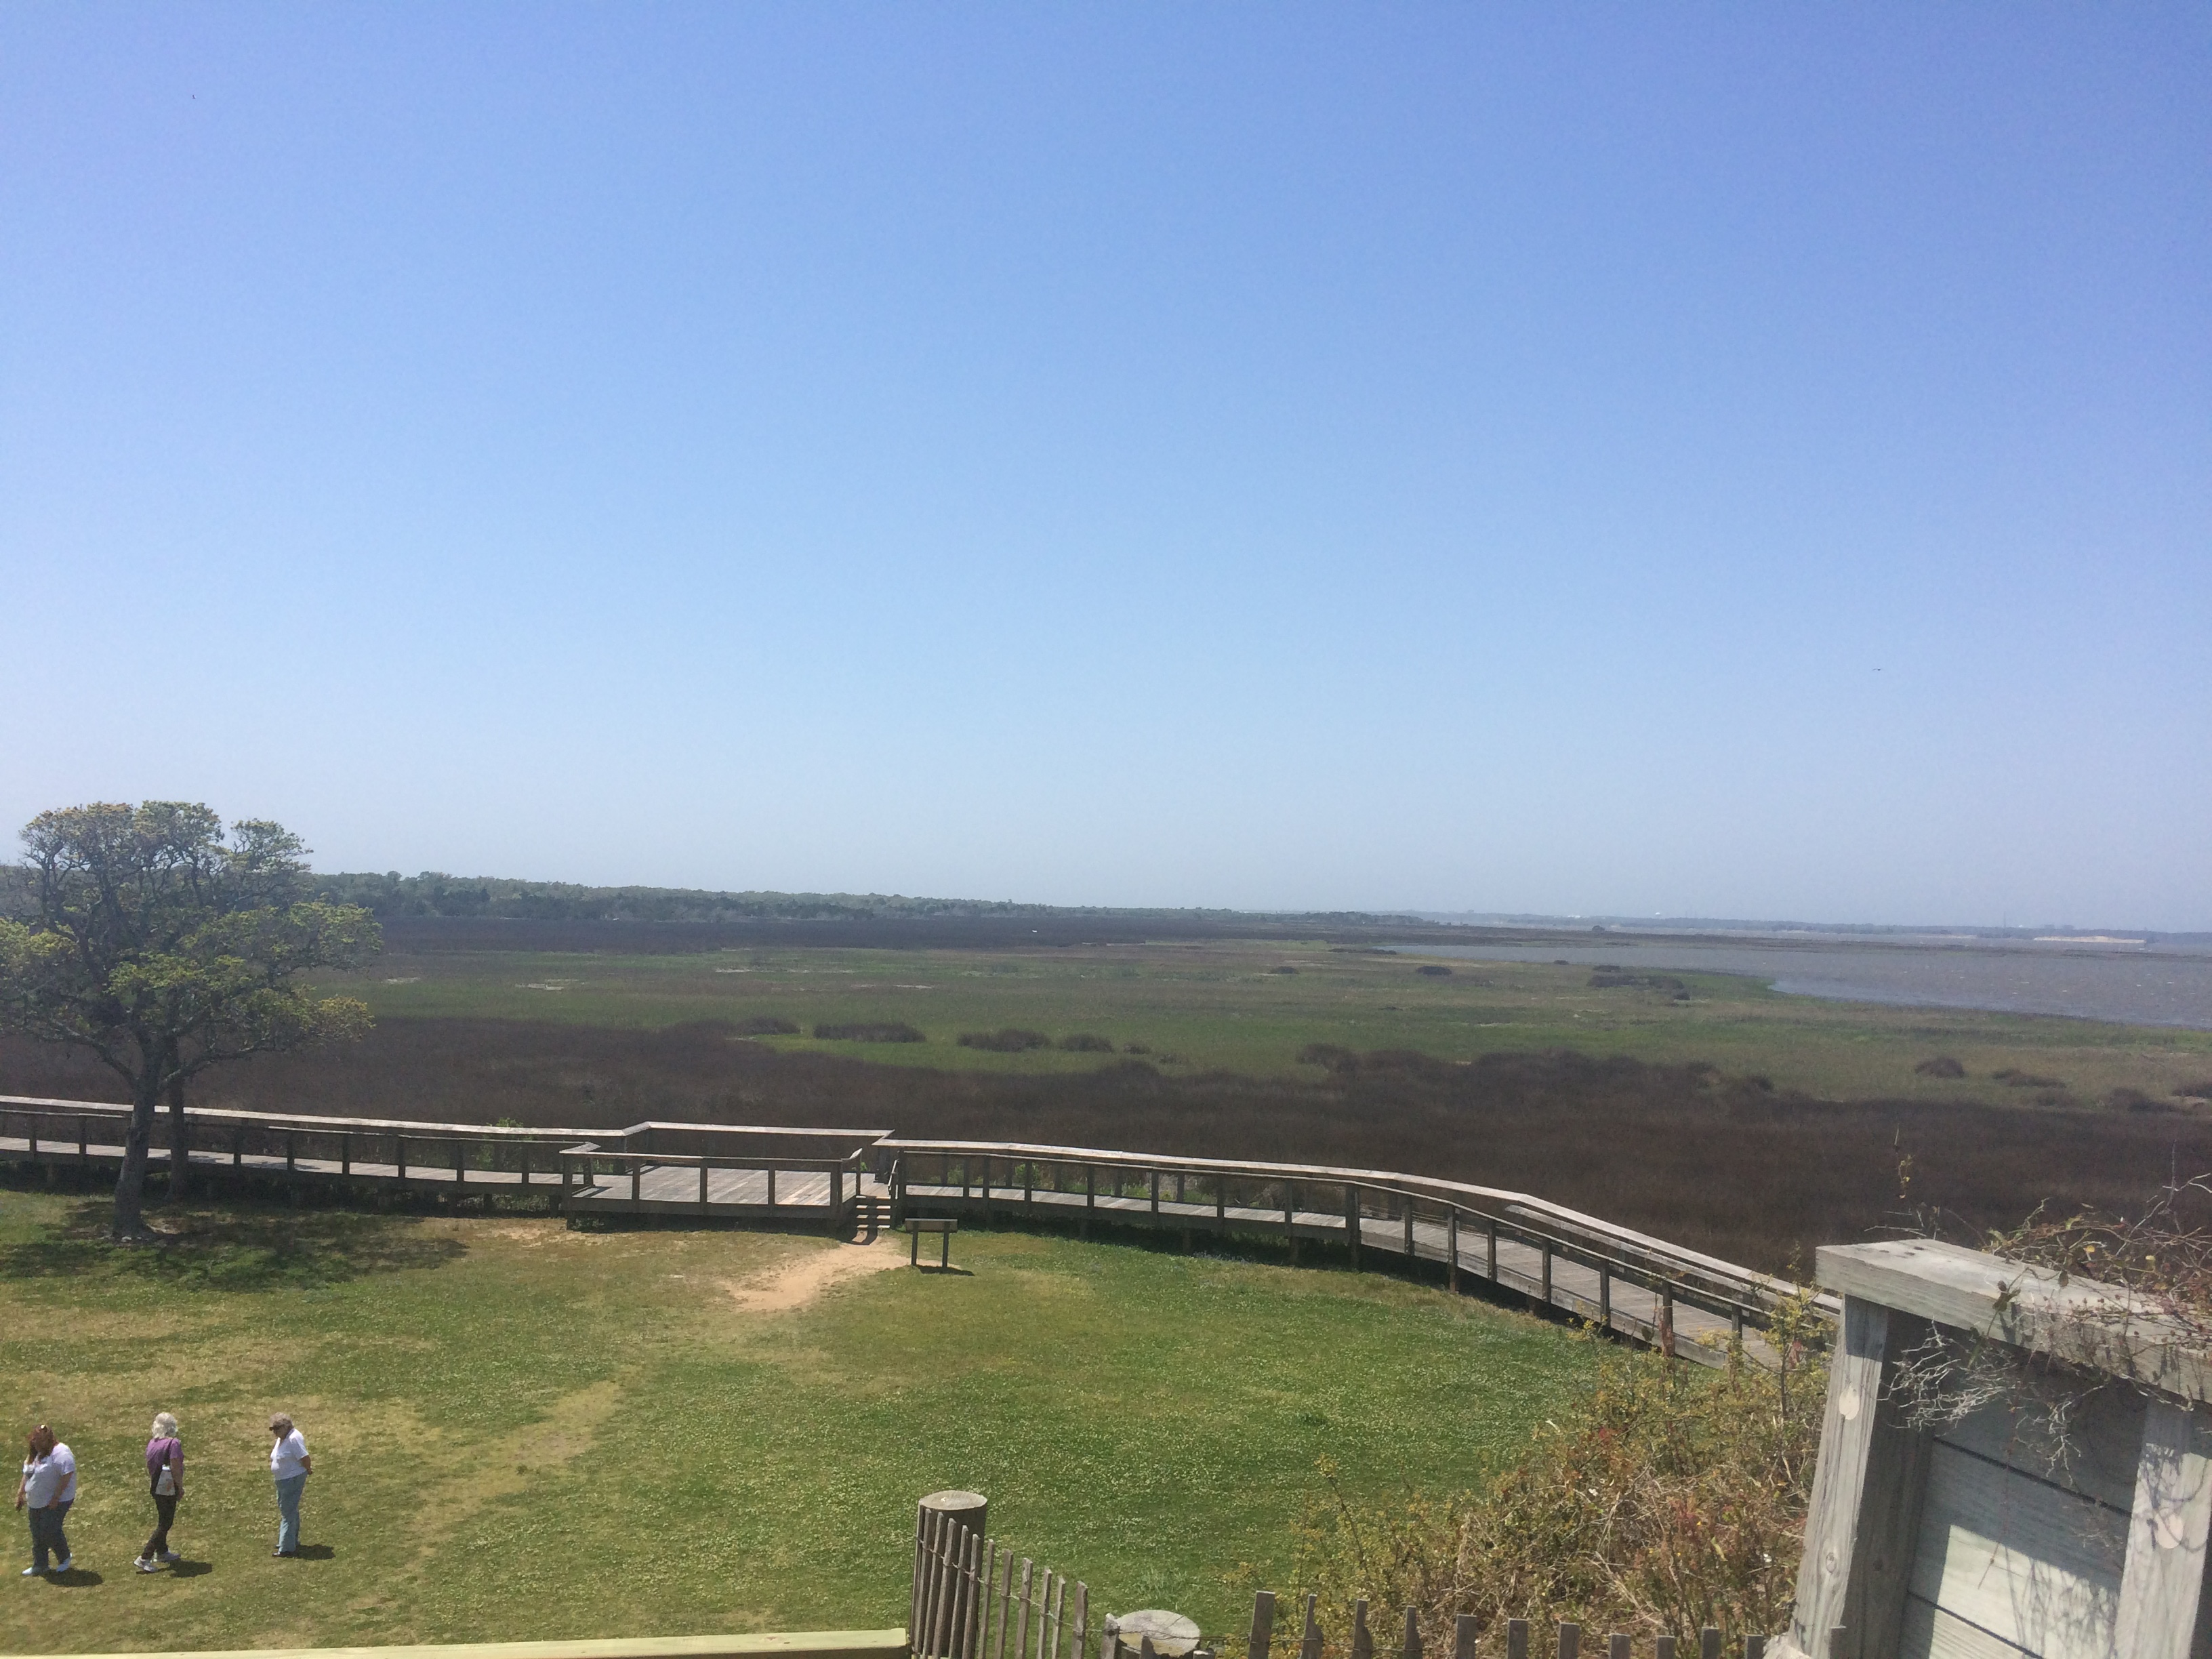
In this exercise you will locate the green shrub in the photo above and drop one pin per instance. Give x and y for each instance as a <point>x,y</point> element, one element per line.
<point>1007,1040</point>
<point>1434,970</point>
<point>888,1031</point>
<point>1083,1042</point>
<point>1940,1066</point>
<point>767,1026</point>
<point>1668,1498</point>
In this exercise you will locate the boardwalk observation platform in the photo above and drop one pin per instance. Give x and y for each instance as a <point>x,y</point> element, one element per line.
<point>1521,1248</point>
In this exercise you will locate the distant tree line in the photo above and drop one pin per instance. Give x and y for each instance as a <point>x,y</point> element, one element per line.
<point>392,896</point>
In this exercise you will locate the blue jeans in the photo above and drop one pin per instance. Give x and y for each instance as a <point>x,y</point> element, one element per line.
<point>46,1534</point>
<point>288,1513</point>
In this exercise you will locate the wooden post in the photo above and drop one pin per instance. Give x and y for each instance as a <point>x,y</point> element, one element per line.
<point>1363,1639</point>
<point>291,1152</point>
<point>703,1183</point>
<point>1864,1517</point>
<point>1022,1629</point>
<point>1309,1643</point>
<point>837,1193</point>
<point>1351,1222</point>
<point>1491,1268</point>
<point>1411,1647</point>
<point>1220,1198</point>
<point>1709,1643</point>
<point>1082,1620</point>
<point>1263,1625</point>
<point>1156,1191</point>
<point>1663,1647</point>
<point>1604,1295</point>
<point>2163,1579</point>
<point>1409,1229</point>
<point>636,1174</point>
<point>986,1189</point>
<point>1181,1177</point>
<point>1451,1245</point>
<point>345,1154</point>
<point>1545,1246</point>
<point>1029,1188</point>
<point>771,1185</point>
<point>1754,1647</point>
<point>83,1143</point>
<point>399,1158</point>
<point>238,1147</point>
<point>1571,1641</point>
<point>1516,1638</point>
<point>1616,1646</point>
<point>1089,1198</point>
<point>1463,1636</point>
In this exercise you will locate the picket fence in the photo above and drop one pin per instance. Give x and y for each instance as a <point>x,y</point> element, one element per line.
<point>967,1604</point>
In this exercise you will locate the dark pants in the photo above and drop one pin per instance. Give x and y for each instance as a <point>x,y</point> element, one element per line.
<point>165,1512</point>
<point>46,1534</point>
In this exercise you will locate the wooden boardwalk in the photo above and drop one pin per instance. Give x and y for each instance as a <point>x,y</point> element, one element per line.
<point>1632,1285</point>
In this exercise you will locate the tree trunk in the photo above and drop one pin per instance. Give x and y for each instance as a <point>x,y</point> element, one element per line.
<point>129,1224</point>
<point>180,1160</point>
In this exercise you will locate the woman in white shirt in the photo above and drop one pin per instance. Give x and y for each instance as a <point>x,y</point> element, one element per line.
<point>289,1463</point>
<point>48,1488</point>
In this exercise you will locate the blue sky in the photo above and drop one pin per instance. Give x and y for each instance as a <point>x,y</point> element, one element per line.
<point>1722,460</point>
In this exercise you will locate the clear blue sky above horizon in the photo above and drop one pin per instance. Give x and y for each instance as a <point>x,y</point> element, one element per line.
<point>1709,460</point>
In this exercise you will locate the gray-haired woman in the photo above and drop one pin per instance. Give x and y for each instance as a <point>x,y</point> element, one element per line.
<point>164,1475</point>
<point>289,1462</point>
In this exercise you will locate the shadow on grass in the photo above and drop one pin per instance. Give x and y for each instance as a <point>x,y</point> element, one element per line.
<point>235,1249</point>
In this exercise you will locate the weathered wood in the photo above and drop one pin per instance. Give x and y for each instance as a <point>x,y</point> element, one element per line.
<point>1022,1631</point>
<point>1709,1643</point>
<point>1409,1646</point>
<point>1263,1625</point>
<point>1616,1646</point>
<point>1663,1647</point>
<point>1082,1620</point>
<point>1352,1224</point>
<point>1571,1641</point>
<point>1866,1485</point>
<point>1451,1245</point>
<point>1363,1639</point>
<point>1463,1636</point>
<point>797,1645</point>
<point>1516,1638</point>
<point>1309,1643</point>
<point>2159,1613</point>
<point>2076,1319</point>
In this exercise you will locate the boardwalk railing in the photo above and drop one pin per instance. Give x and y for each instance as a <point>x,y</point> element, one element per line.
<point>1623,1280</point>
<point>711,1168</point>
<point>967,1604</point>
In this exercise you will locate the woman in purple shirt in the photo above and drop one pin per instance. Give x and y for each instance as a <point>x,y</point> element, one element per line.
<point>165,1477</point>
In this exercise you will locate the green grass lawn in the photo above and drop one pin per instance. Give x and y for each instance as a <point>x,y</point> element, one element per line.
<point>522,1432</point>
<point>1201,1006</point>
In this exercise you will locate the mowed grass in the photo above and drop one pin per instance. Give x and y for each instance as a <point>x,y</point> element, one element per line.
<point>1227,1006</point>
<point>523,1431</point>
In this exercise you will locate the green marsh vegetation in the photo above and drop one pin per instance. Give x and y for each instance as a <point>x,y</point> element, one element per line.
<point>525,1431</point>
<point>1703,1109</point>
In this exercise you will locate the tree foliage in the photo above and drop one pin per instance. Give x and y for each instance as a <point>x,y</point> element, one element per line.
<point>153,938</point>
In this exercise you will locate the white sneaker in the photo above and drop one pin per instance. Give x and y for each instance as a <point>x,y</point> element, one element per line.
<point>64,1565</point>
<point>171,1555</point>
<point>143,1564</point>
<point>32,1572</point>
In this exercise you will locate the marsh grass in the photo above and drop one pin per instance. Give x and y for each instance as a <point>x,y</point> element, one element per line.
<point>522,1432</point>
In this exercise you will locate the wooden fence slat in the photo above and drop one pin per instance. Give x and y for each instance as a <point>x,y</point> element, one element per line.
<point>1571,1641</point>
<point>1616,1646</point>
<point>1263,1625</point>
<point>1022,1629</point>
<point>1662,1648</point>
<point>1709,1643</point>
<point>1363,1639</point>
<point>1309,1643</point>
<point>1055,1589</point>
<point>990,1595</point>
<point>1082,1620</point>
<point>1463,1636</point>
<point>1516,1638</point>
<point>1411,1647</point>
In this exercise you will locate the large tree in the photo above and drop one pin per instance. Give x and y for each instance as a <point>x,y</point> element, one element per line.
<point>155,941</point>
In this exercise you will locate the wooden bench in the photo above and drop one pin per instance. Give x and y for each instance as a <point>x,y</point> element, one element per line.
<point>942,1226</point>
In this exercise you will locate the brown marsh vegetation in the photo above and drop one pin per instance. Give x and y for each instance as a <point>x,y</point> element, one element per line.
<point>1724,1162</point>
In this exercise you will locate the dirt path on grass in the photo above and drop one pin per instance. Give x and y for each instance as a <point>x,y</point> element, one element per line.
<point>795,1284</point>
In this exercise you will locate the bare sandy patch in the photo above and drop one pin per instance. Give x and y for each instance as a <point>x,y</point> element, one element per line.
<point>793,1285</point>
